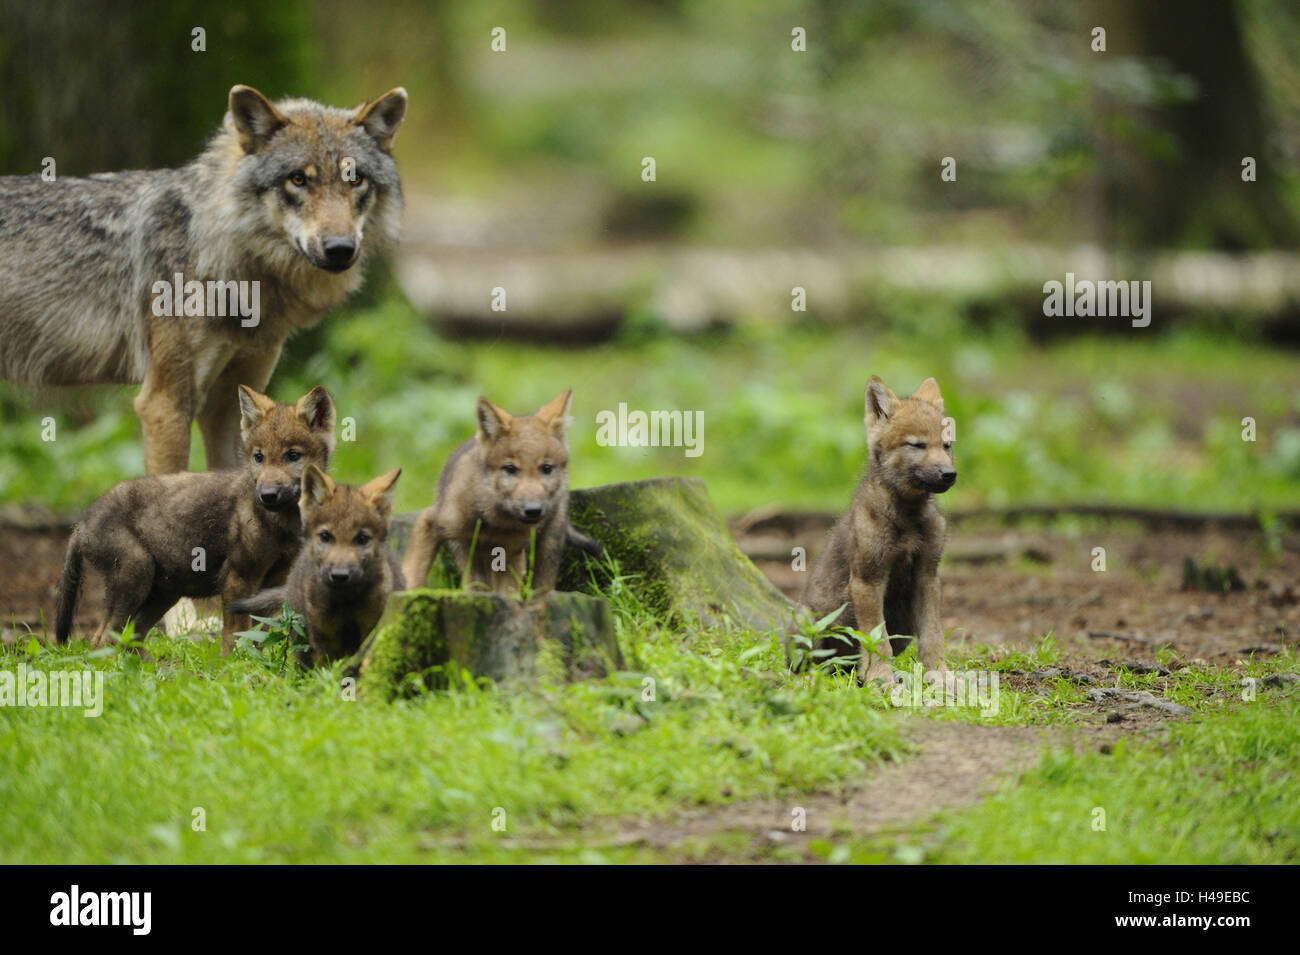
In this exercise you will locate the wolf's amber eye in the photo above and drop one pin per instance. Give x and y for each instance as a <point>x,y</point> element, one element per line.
<point>325,537</point>
<point>361,539</point>
<point>292,455</point>
<point>298,178</point>
<point>510,469</point>
<point>358,179</point>
<point>258,457</point>
<point>548,468</point>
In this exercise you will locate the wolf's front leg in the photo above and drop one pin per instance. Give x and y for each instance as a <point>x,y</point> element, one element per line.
<point>929,631</point>
<point>219,412</point>
<point>165,406</point>
<point>425,541</point>
<point>868,597</point>
<point>235,587</point>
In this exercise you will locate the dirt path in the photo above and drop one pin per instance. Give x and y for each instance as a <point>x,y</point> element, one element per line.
<point>951,766</point>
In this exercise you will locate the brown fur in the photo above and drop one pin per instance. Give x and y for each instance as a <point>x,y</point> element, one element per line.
<point>345,571</point>
<point>882,558</point>
<point>478,488</point>
<point>141,535</point>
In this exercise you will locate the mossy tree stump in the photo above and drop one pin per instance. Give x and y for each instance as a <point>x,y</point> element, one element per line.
<point>682,561</point>
<point>671,544</point>
<point>427,637</point>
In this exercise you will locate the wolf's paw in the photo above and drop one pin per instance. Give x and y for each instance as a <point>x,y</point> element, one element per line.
<point>882,673</point>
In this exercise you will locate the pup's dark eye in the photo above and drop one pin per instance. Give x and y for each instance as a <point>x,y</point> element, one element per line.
<point>258,457</point>
<point>510,468</point>
<point>292,455</point>
<point>298,178</point>
<point>361,539</point>
<point>325,537</point>
<point>916,444</point>
<point>947,445</point>
<point>548,468</point>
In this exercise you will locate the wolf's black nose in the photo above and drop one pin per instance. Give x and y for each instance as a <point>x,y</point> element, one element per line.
<point>340,575</point>
<point>949,476</point>
<point>532,512</point>
<point>269,496</point>
<point>339,250</point>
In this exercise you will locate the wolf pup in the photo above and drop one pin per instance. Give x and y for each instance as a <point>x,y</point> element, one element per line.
<point>510,481</point>
<point>190,280</point>
<point>157,539</point>
<point>882,558</point>
<point>345,570</point>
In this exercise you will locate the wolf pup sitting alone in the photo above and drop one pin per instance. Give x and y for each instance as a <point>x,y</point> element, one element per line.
<point>157,539</point>
<point>882,558</point>
<point>345,570</point>
<point>510,481</point>
<point>190,280</point>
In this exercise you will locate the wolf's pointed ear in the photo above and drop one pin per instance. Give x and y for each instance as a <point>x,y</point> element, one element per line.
<point>556,411</point>
<point>492,421</point>
<point>316,408</point>
<point>929,391</point>
<point>380,491</point>
<point>252,407</point>
<point>880,399</point>
<point>381,117</point>
<point>254,117</point>
<point>317,488</point>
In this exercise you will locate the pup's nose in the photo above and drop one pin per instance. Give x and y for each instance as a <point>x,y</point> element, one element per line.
<point>269,496</point>
<point>949,476</point>
<point>340,575</point>
<point>339,250</point>
<point>532,512</point>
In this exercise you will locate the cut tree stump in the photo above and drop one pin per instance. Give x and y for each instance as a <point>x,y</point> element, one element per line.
<point>674,546</point>
<point>670,541</point>
<point>426,637</point>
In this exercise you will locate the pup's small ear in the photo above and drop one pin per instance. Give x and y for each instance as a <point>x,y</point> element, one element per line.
<point>380,491</point>
<point>316,408</point>
<point>381,117</point>
<point>492,421</point>
<point>929,391</point>
<point>252,406</point>
<point>253,117</point>
<point>317,488</point>
<point>880,399</point>
<point>556,411</point>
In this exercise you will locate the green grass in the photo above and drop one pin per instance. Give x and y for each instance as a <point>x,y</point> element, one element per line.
<point>1219,790</point>
<point>286,770</point>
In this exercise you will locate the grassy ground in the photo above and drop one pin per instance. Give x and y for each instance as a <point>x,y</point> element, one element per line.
<point>1218,791</point>
<point>285,769</point>
<point>1130,418</point>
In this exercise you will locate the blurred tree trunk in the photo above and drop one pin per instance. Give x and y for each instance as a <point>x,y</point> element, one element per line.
<point>108,84</point>
<point>1172,141</point>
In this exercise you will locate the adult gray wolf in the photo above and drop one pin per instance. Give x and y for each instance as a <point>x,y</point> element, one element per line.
<point>189,281</point>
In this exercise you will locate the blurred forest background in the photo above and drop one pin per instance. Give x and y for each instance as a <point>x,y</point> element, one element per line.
<point>775,169</point>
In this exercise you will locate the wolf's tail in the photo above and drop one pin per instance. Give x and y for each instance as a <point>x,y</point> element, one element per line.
<point>69,588</point>
<point>577,539</point>
<point>265,603</point>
